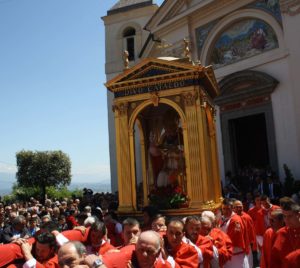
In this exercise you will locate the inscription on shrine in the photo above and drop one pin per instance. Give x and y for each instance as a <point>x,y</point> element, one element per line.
<point>156,87</point>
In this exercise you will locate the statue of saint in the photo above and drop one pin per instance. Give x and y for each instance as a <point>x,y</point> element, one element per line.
<point>167,152</point>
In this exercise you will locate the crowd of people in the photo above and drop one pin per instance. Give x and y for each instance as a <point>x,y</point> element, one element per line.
<point>244,232</point>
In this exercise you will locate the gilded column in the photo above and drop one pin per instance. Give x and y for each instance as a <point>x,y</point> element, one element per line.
<point>194,185</point>
<point>215,160</point>
<point>123,157</point>
<point>204,150</point>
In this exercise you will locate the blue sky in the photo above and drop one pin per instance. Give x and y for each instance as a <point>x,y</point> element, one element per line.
<point>52,95</point>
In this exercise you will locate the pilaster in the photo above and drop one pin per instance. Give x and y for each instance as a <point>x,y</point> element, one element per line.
<point>123,157</point>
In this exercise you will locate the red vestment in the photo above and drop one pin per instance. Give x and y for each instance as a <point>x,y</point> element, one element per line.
<point>223,243</point>
<point>253,213</point>
<point>262,221</point>
<point>185,256</point>
<point>105,247</point>
<point>235,229</point>
<point>51,263</point>
<point>286,240</point>
<point>114,238</point>
<point>10,252</point>
<point>206,247</point>
<point>268,241</point>
<point>76,235</point>
<point>292,260</point>
<point>126,255</point>
<point>249,226</point>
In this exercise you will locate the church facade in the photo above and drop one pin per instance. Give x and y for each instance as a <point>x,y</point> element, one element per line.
<point>253,47</point>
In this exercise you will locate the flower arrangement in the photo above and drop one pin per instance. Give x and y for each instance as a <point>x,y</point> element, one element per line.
<point>168,197</point>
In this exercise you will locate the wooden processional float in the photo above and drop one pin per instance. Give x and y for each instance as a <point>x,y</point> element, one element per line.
<point>165,136</point>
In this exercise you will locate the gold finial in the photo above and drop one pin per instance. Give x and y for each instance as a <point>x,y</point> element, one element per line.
<point>186,48</point>
<point>126,59</point>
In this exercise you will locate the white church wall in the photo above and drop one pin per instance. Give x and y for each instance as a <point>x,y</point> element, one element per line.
<point>284,116</point>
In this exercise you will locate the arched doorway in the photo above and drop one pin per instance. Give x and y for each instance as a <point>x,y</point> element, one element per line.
<point>246,117</point>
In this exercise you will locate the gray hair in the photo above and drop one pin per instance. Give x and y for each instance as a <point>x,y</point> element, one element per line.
<point>209,214</point>
<point>152,234</point>
<point>89,221</point>
<point>18,220</point>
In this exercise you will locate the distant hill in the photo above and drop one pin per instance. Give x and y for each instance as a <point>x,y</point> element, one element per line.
<point>6,182</point>
<point>97,187</point>
<point>8,179</point>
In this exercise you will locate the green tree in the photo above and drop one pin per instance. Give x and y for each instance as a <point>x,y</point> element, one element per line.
<point>43,169</point>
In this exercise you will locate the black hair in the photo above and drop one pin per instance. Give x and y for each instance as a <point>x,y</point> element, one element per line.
<point>98,226</point>
<point>130,222</point>
<point>46,238</point>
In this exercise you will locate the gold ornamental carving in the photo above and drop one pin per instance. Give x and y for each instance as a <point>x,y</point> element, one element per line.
<point>189,98</point>
<point>290,7</point>
<point>187,53</point>
<point>126,59</point>
<point>203,100</point>
<point>122,108</point>
<point>155,99</point>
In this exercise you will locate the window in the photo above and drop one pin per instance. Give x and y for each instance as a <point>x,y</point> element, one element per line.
<point>129,36</point>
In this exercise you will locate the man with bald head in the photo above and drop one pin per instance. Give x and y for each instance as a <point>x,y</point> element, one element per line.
<point>145,254</point>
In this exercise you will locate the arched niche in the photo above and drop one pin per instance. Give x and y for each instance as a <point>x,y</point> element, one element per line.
<point>158,131</point>
<point>239,32</point>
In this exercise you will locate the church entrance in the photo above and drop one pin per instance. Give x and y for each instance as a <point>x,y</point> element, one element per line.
<point>246,119</point>
<point>248,138</point>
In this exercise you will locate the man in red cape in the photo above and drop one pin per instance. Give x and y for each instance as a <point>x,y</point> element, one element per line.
<point>287,239</point>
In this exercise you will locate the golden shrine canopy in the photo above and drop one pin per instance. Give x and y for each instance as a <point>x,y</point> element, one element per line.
<point>165,136</point>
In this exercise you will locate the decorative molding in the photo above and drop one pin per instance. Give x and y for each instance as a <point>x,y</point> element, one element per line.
<point>290,7</point>
<point>244,86</point>
<point>122,108</point>
<point>189,98</point>
<point>133,105</point>
<point>173,12</point>
<point>203,99</point>
<point>154,98</point>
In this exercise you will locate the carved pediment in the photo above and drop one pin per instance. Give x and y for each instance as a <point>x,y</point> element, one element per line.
<point>153,75</point>
<point>153,68</point>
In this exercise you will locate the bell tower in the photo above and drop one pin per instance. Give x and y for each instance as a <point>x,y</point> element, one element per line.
<point>124,25</point>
